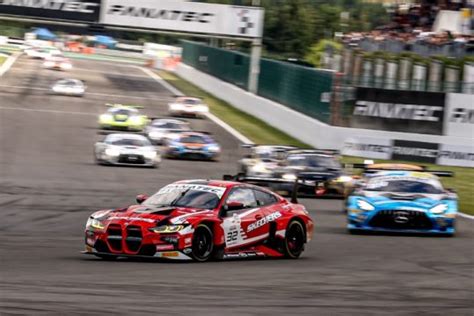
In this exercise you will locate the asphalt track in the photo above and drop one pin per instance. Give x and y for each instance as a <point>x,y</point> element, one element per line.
<point>49,185</point>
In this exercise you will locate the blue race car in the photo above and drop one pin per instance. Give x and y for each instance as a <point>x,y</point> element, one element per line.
<point>192,145</point>
<point>402,202</point>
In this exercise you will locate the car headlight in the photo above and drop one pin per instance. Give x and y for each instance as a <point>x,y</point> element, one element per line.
<point>106,117</point>
<point>364,205</point>
<point>149,154</point>
<point>167,229</point>
<point>95,223</point>
<point>113,152</point>
<point>439,209</point>
<point>214,148</point>
<point>289,176</point>
<point>135,120</point>
<point>344,179</point>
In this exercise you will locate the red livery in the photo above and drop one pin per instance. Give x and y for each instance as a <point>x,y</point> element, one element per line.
<point>202,220</point>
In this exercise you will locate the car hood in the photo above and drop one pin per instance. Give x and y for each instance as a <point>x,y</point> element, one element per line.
<point>150,216</point>
<point>388,200</point>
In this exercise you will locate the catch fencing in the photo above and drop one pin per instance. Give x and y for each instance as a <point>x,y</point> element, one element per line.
<point>303,89</point>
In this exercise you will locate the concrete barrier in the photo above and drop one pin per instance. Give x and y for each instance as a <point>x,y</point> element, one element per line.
<point>300,126</point>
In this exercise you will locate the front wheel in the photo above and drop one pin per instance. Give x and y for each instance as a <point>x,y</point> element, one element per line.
<point>203,243</point>
<point>293,244</point>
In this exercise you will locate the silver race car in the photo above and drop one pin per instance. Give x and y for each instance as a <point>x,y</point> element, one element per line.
<point>128,150</point>
<point>72,87</point>
<point>162,129</point>
<point>189,107</point>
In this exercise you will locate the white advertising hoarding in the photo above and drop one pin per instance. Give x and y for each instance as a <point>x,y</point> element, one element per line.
<point>453,155</point>
<point>459,115</point>
<point>377,148</point>
<point>190,17</point>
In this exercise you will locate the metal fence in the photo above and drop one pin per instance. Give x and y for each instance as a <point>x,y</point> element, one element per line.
<point>301,88</point>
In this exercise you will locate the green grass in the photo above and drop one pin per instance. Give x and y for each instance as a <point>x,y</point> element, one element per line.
<point>253,128</point>
<point>2,59</point>
<point>262,133</point>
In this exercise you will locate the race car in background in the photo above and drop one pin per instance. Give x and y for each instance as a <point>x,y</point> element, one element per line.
<point>126,150</point>
<point>318,173</point>
<point>42,52</point>
<point>72,87</point>
<point>162,129</point>
<point>402,201</point>
<point>192,145</point>
<point>57,63</point>
<point>262,159</point>
<point>123,117</point>
<point>188,107</point>
<point>201,220</point>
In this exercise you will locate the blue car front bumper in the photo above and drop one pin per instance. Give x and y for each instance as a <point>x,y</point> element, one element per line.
<point>413,223</point>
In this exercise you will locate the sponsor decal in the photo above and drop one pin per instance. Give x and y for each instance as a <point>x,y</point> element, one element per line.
<point>170,254</point>
<point>399,111</point>
<point>459,120</point>
<point>79,10</point>
<point>415,151</point>
<point>184,16</point>
<point>155,13</point>
<point>264,220</point>
<point>164,247</point>
<point>148,220</point>
<point>219,191</point>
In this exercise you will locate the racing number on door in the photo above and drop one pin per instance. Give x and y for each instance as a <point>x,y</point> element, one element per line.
<point>231,236</point>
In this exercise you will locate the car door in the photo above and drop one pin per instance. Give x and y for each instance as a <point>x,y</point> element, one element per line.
<point>243,226</point>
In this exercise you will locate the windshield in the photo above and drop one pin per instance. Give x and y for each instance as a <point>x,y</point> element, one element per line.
<point>130,142</point>
<point>190,101</point>
<point>168,125</point>
<point>121,111</point>
<point>270,153</point>
<point>187,195</point>
<point>314,161</point>
<point>195,139</point>
<point>404,186</point>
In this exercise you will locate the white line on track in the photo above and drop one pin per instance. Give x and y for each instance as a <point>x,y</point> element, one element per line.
<point>47,111</point>
<point>464,215</point>
<point>92,93</point>
<point>211,116</point>
<point>8,64</point>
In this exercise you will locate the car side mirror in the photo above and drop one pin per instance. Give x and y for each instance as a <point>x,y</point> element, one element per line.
<point>233,206</point>
<point>141,198</point>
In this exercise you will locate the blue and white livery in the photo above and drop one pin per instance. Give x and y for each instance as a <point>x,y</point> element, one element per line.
<point>402,201</point>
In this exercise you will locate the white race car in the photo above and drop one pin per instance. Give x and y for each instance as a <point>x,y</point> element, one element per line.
<point>188,106</point>
<point>128,150</point>
<point>42,52</point>
<point>162,129</point>
<point>57,63</point>
<point>72,87</point>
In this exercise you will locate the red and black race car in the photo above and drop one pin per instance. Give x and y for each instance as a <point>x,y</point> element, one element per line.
<point>202,220</point>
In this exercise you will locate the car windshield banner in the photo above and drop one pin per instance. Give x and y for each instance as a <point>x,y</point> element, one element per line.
<point>183,16</point>
<point>399,111</point>
<point>74,10</point>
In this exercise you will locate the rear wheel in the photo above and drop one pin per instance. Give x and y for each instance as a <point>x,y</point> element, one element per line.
<point>203,243</point>
<point>293,244</point>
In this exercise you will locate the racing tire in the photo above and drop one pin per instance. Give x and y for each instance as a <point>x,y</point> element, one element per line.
<point>202,244</point>
<point>294,241</point>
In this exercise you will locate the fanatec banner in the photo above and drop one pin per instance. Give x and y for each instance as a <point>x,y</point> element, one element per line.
<point>459,117</point>
<point>179,16</point>
<point>399,111</point>
<point>74,10</point>
<point>405,150</point>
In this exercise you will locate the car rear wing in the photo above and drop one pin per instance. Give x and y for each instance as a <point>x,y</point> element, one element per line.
<point>330,152</point>
<point>367,169</point>
<point>168,118</point>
